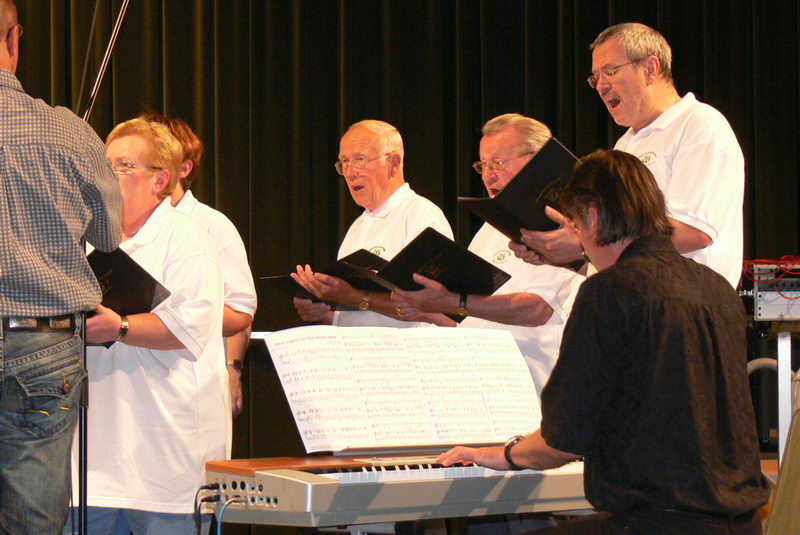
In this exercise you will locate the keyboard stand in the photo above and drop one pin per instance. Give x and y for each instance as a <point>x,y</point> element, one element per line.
<point>429,527</point>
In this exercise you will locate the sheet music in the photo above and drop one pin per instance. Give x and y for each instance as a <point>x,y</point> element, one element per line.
<point>358,387</point>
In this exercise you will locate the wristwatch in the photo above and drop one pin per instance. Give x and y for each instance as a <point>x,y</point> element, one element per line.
<point>462,306</point>
<point>123,327</point>
<point>510,443</point>
<point>235,364</point>
<point>364,303</point>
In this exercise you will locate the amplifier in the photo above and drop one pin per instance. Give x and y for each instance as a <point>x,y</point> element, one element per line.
<point>776,292</point>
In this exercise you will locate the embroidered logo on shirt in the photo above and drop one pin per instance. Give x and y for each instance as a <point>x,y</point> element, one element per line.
<point>501,256</point>
<point>377,250</point>
<point>648,157</point>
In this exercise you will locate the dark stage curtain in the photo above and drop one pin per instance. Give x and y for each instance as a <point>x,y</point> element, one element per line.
<point>270,85</point>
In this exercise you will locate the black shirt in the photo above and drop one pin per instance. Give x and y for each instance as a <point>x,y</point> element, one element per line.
<point>651,387</point>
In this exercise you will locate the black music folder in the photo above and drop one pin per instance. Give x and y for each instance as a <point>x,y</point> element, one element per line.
<point>127,287</point>
<point>430,254</point>
<point>356,268</point>
<point>521,203</point>
<point>439,258</point>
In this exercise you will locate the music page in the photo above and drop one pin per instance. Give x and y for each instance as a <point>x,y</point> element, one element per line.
<point>369,387</point>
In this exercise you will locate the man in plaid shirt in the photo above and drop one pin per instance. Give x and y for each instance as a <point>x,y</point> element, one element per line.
<point>55,188</point>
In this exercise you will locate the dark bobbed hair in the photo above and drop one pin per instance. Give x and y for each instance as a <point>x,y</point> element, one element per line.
<point>624,192</point>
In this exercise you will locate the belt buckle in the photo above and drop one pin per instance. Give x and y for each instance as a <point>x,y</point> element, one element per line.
<point>22,323</point>
<point>62,322</point>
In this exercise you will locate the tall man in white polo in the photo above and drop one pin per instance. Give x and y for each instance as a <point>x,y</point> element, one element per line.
<point>688,146</point>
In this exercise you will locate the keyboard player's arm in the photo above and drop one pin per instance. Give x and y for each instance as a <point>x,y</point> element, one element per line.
<point>530,452</point>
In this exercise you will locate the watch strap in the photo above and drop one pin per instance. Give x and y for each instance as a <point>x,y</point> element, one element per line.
<point>510,443</point>
<point>462,306</point>
<point>124,326</point>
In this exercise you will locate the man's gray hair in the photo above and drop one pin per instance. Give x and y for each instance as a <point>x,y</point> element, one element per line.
<point>533,133</point>
<point>389,140</point>
<point>639,41</point>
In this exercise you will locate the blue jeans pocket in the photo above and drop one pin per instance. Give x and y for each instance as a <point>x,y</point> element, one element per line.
<point>38,410</point>
<point>49,383</point>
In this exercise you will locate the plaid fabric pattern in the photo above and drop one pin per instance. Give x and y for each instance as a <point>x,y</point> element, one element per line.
<point>55,187</point>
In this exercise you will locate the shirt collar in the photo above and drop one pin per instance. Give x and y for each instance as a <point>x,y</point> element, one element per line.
<point>8,79</point>
<point>396,198</point>
<point>187,202</point>
<point>151,227</point>
<point>668,116</point>
<point>647,245</point>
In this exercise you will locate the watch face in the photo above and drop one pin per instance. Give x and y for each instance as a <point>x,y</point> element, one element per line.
<point>461,311</point>
<point>123,327</point>
<point>363,305</point>
<point>235,364</point>
<point>513,440</point>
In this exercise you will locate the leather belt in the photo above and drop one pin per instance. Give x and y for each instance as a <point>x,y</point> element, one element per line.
<point>47,324</point>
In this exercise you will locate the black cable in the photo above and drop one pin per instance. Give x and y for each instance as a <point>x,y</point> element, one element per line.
<point>196,510</point>
<point>197,502</point>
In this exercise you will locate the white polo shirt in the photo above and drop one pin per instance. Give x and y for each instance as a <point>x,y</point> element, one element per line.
<point>556,285</point>
<point>240,291</point>
<point>698,164</point>
<point>384,232</point>
<point>156,416</point>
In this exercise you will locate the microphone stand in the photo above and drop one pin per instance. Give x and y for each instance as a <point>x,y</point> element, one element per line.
<point>83,435</point>
<point>106,57</point>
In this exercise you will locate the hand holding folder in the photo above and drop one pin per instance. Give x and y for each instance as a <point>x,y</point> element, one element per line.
<point>430,254</point>
<point>127,287</point>
<point>356,268</point>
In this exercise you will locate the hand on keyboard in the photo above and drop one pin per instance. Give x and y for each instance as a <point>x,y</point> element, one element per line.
<point>490,457</point>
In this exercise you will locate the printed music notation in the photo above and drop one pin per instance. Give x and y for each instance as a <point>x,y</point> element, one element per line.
<point>360,387</point>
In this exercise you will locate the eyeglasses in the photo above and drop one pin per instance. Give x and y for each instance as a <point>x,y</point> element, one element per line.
<point>355,163</point>
<point>607,73</point>
<point>123,167</point>
<point>495,165</point>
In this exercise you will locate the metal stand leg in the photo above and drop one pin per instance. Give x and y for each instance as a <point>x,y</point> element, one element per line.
<point>784,389</point>
<point>427,527</point>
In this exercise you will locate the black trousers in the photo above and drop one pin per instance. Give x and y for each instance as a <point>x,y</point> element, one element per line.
<point>657,522</point>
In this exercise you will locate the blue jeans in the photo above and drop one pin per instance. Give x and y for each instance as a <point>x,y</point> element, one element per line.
<point>108,521</point>
<point>40,384</point>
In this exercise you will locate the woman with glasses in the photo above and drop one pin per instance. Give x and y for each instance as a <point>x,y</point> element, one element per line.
<point>158,394</point>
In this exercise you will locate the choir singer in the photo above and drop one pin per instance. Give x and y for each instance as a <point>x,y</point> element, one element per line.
<point>371,162</point>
